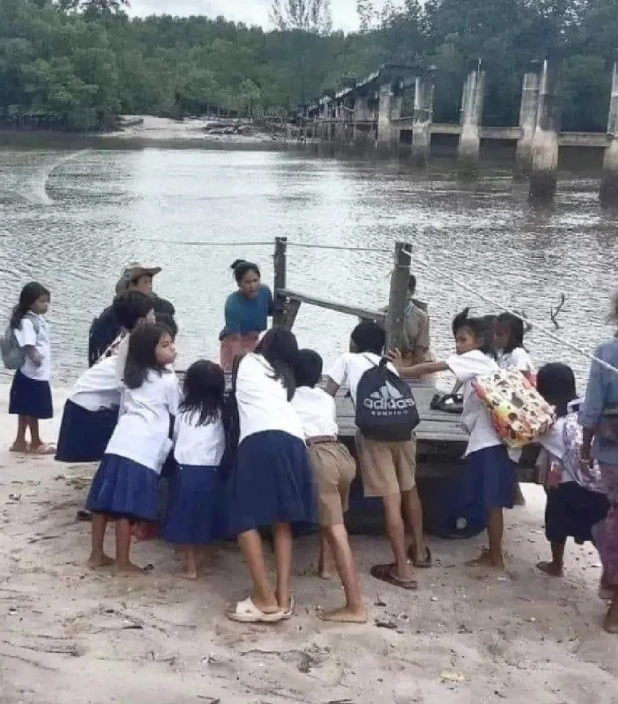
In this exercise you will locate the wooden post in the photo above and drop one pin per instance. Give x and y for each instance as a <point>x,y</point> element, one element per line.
<point>281,246</point>
<point>400,279</point>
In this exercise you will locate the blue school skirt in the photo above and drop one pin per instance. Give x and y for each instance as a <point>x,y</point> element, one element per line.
<point>30,397</point>
<point>84,434</point>
<point>122,488</point>
<point>490,475</point>
<point>271,482</point>
<point>194,506</point>
<point>572,512</point>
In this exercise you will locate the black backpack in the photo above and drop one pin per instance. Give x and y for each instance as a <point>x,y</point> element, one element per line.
<point>385,406</point>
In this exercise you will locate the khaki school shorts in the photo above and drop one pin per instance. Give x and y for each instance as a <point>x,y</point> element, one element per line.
<point>334,470</point>
<point>387,468</point>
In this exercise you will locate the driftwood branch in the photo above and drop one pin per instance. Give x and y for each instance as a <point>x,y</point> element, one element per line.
<point>554,313</point>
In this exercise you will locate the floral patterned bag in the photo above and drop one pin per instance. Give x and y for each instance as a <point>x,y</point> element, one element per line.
<point>518,411</point>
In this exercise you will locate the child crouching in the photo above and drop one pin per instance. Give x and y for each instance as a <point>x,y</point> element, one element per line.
<point>199,446</point>
<point>334,470</point>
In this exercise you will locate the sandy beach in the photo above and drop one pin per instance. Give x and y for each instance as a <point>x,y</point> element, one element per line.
<point>73,635</point>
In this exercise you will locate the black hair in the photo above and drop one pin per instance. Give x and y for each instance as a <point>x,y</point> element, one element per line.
<point>369,337</point>
<point>556,384</point>
<point>204,391</point>
<point>131,307</point>
<point>479,327</point>
<point>308,368</point>
<point>141,355</point>
<point>169,323</point>
<point>280,349</point>
<point>514,328</point>
<point>412,284</point>
<point>240,267</point>
<point>29,295</point>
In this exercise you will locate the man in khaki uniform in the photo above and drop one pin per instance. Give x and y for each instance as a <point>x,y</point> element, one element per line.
<point>416,328</point>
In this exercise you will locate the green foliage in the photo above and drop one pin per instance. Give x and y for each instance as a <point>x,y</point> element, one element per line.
<point>75,64</point>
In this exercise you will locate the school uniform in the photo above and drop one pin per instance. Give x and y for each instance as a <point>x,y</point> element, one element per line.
<point>490,472</point>
<point>272,480</point>
<point>387,468</point>
<point>90,414</point>
<point>334,468</point>
<point>30,391</point>
<point>126,482</point>
<point>194,512</point>
<point>517,358</point>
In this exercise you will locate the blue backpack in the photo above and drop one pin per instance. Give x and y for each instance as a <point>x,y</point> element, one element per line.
<point>13,356</point>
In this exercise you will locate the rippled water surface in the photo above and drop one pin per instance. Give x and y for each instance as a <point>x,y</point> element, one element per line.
<point>72,218</point>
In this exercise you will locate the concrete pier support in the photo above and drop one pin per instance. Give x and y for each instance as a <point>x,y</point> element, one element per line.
<point>544,173</point>
<point>609,184</point>
<point>386,99</point>
<point>396,105</point>
<point>527,121</point>
<point>471,115</point>
<point>423,117</point>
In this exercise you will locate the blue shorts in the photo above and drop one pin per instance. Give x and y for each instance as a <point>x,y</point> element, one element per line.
<point>490,473</point>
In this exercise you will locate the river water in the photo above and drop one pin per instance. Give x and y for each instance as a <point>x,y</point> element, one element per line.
<point>72,217</point>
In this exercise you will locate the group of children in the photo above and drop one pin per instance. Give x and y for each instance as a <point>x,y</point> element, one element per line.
<point>266,454</point>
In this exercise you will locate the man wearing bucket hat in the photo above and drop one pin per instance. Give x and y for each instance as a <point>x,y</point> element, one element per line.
<point>105,329</point>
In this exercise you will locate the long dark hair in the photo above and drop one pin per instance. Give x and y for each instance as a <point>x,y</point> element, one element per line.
<point>556,384</point>
<point>204,391</point>
<point>29,295</point>
<point>240,267</point>
<point>280,349</point>
<point>480,327</point>
<point>141,355</point>
<point>514,328</point>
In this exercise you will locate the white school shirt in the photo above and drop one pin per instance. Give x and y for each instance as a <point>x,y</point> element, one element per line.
<point>27,336</point>
<point>142,432</point>
<point>198,445</point>
<point>518,358</point>
<point>98,387</point>
<point>475,417</point>
<point>350,367</point>
<point>262,400</point>
<point>317,412</point>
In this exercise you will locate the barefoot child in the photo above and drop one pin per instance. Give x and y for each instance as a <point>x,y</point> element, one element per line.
<point>125,486</point>
<point>334,470</point>
<point>30,397</point>
<point>490,470</point>
<point>199,444</point>
<point>387,468</point>
<point>271,483</point>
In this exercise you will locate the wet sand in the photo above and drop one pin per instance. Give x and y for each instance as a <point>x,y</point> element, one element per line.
<point>73,635</point>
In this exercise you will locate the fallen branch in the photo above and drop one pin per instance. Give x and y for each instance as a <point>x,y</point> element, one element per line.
<point>554,313</point>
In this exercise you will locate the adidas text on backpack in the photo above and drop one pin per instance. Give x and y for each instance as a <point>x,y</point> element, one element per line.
<point>385,406</point>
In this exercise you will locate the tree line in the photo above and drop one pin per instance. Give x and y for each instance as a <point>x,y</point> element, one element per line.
<point>76,64</point>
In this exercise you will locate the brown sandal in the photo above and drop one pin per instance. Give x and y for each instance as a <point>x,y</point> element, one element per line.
<point>385,574</point>
<point>421,564</point>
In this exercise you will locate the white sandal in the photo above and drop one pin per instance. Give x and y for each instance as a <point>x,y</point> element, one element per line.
<point>289,612</point>
<point>247,612</point>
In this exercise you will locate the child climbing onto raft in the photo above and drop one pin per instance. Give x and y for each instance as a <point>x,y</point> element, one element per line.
<point>192,520</point>
<point>334,470</point>
<point>30,396</point>
<point>491,473</point>
<point>125,485</point>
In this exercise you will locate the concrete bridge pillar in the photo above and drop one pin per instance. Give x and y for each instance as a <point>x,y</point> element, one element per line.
<point>423,117</point>
<point>527,121</point>
<point>544,173</point>
<point>396,105</point>
<point>471,115</point>
<point>386,99</point>
<point>609,184</point>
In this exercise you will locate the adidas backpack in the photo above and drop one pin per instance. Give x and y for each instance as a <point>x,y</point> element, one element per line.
<point>385,407</point>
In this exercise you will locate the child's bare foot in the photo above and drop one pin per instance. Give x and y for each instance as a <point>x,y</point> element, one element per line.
<point>325,573</point>
<point>610,623</point>
<point>183,574</point>
<point>346,615</point>
<point>486,559</point>
<point>19,447</point>
<point>129,569</point>
<point>42,448</point>
<point>96,561</point>
<point>551,569</point>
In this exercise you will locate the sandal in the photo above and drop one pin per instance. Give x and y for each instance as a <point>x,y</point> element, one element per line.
<point>288,613</point>
<point>42,449</point>
<point>385,574</point>
<point>422,564</point>
<point>247,612</point>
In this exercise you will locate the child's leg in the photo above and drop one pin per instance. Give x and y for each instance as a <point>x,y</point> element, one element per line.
<point>610,624</point>
<point>35,438</point>
<point>353,611</point>
<point>325,563</point>
<point>555,568</point>
<point>413,510</point>
<point>98,558</point>
<point>263,595</point>
<point>282,533</point>
<point>495,532</point>
<point>123,564</point>
<point>395,530</point>
<point>20,444</point>
<point>190,571</point>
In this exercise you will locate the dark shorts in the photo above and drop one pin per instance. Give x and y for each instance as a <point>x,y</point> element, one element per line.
<point>572,511</point>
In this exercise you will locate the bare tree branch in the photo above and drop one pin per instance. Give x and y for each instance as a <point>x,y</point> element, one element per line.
<point>554,313</point>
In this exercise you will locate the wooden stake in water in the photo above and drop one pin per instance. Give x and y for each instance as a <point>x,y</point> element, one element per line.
<point>395,337</point>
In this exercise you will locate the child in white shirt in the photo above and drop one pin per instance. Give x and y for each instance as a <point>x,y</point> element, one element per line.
<point>490,470</point>
<point>509,345</point>
<point>334,470</point>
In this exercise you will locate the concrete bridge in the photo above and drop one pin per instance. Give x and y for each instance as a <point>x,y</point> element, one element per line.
<point>368,115</point>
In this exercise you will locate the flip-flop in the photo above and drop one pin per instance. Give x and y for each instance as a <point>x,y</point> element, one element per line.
<point>42,450</point>
<point>385,574</point>
<point>18,451</point>
<point>247,612</point>
<point>422,564</point>
<point>288,613</point>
